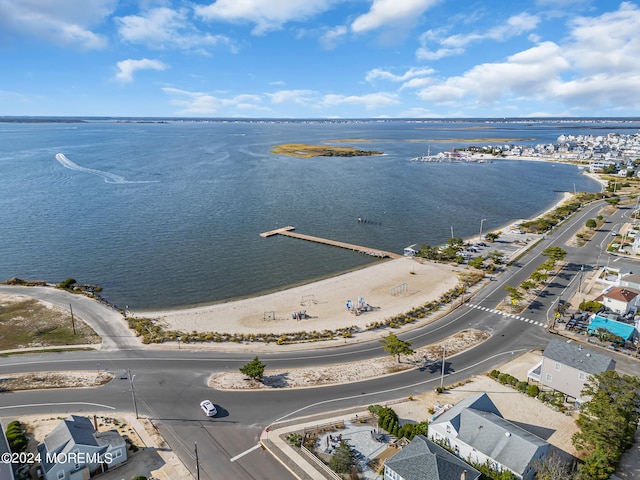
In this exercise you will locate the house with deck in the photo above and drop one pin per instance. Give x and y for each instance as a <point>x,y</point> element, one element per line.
<point>76,450</point>
<point>475,430</point>
<point>566,367</point>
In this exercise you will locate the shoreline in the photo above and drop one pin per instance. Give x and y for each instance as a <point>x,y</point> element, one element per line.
<point>323,301</point>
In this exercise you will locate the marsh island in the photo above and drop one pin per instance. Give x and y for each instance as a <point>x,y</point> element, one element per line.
<point>303,150</point>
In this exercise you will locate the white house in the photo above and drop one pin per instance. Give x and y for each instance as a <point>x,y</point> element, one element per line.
<point>619,299</point>
<point>75,450</point>
<point>475,430</point>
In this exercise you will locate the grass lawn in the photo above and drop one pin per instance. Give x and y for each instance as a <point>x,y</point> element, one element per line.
<point>29,323</point>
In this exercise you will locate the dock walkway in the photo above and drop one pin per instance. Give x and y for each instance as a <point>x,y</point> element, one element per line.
<point>288,232</point>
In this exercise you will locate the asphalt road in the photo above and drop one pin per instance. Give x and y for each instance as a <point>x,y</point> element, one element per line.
<point>170,385</point>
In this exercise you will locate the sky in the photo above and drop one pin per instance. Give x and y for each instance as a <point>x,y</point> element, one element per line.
<point>320,58</point>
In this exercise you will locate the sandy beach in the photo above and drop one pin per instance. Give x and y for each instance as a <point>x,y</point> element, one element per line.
<point>324,302</point>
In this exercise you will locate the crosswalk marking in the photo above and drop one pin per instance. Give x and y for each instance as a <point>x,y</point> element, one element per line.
<point>505,314</point>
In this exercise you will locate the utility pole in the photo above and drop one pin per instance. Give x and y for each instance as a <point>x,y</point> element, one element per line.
<point>444,351</point>
<point>133,392</point>
<point>580,286</point>
<point>197,462</point>
<point>481,222</point>
<point>73,323</point>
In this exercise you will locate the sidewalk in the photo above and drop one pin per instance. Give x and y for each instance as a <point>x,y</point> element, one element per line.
<point>156,460</point>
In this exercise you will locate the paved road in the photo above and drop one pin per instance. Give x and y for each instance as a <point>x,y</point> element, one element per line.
<point>169,385</point>
<point>107,322</point>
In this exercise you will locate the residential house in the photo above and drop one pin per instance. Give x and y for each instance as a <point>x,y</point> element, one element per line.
<point>566,367</point>
<point>424,460</point>
<point>631,281</point>
<point>621,300</point>
<point>476,431</point>
<point>75,450</point>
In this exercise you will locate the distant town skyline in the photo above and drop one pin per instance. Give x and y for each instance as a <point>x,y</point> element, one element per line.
<point>320,58</point>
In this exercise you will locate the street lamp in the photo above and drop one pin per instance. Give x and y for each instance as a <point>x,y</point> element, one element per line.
<point>481,222</point>
<point>133,392</point>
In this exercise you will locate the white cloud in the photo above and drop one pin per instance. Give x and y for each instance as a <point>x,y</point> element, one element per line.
<point>127,68</point>
<point>391,12</point>
<point>455,44</point>
<point>291,96</point>
<point>265,14</point>
<point>595,68</point>
<point>166,28</point>
<point>370,101</point>
<point>515,25</point>
<point>378,73</point>
<point>608,43</point>
<point>333,36</point>
<point>533,72</point>
<point>200,103</point>
<point>64,22</point>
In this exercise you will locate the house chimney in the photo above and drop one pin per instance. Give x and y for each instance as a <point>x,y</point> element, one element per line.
<point>463,475</point>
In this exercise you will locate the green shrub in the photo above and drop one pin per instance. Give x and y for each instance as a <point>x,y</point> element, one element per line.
<point>68,283</point>
<point>375,409</point>
<point>494,373</point>
<point>522,386</point>
<point>294,439</point>
<point>533,390</point>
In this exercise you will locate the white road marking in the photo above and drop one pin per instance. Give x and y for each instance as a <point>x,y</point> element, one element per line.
<point>57,404</point>
<point>240,455</point>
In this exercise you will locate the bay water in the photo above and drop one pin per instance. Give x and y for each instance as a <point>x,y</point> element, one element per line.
<point>167,214</point>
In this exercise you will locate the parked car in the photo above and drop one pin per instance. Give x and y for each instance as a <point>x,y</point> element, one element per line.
<point>614,233</point>
<point>208,408</point>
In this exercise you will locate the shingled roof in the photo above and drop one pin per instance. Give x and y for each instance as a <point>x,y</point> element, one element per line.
<point>622,294</point>
<point>424,460</point>
<point>576,356</point>
<point>479,424</point>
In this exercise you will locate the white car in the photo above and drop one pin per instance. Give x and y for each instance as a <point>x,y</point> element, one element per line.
<point>208,408</point>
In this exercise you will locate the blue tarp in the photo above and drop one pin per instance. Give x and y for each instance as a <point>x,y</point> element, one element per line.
<point>624,330</point>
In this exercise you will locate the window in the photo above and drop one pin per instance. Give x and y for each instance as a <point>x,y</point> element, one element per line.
<point>448,428</point>
<point>549,377</point>
<point>556,367</point>
<point>61,475</point>
<point>581,375</point>
<point>118,453</point>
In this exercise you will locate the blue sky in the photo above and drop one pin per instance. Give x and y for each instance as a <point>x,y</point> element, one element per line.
<point>320,58</point>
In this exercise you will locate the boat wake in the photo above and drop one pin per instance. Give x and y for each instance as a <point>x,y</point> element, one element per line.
<point>108,177</point>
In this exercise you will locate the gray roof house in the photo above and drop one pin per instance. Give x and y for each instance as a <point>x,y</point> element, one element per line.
<point>566,366</point>
<point>74,450</point>
<point>631,280</point>
<point>424,460</point>
<point>475,430</point>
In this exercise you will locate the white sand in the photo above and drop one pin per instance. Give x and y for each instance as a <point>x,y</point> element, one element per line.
<point>324,301</point>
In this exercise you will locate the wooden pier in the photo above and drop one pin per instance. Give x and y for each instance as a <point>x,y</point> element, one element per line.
<point>288,232</point>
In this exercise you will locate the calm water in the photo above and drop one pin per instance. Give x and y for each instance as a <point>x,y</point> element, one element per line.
<point>168,214</point>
